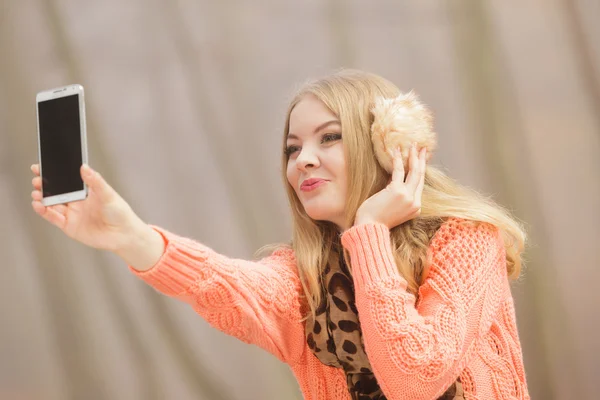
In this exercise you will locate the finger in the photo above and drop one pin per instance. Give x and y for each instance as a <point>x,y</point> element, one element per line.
<point>60,208</point>
<point>412,180</point>
<point>95,181</point>
<point>37,183</point>
<point>421,185</point>
<point>398,171</point>
<point>35,168</point>
<point>49,214</point>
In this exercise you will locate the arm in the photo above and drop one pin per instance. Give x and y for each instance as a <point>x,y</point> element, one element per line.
<point>417,352</point>
<point>257,302</point>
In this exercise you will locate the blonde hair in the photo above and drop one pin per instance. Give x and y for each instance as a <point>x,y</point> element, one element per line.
<point>350,95</point>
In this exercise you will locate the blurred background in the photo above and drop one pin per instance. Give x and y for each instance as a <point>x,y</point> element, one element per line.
<point>185,109</point>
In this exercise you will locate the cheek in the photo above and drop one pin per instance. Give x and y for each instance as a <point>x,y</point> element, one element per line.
<point>340,166</point>
<point>292,176</point>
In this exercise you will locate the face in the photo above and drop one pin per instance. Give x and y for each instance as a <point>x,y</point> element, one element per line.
<point>316,166</point>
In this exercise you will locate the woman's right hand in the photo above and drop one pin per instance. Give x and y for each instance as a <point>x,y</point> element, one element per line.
<point>103,220</point>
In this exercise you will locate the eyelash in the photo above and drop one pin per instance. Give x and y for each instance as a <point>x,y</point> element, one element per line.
<point>292,148</point>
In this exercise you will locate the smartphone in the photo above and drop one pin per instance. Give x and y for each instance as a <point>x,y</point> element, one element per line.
<point>62,144</point>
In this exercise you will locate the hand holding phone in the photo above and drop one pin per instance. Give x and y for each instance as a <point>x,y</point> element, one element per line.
<point>104,220</point>
<point>67,192</point>
<point>94,213</point>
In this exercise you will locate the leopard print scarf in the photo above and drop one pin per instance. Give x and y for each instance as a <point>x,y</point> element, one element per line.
<point>335,337</point>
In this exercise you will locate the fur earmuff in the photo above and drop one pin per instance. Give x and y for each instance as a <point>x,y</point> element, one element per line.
<point>399,122</point>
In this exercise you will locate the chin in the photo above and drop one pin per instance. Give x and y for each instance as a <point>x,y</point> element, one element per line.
<point>320,215</point>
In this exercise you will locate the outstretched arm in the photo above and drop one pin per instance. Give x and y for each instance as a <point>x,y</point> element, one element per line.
<point>257,302</point>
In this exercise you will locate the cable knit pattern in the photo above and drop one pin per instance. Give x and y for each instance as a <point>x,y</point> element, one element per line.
<point>257,302</point>
<point>463,325</point>
<point>417,351</point>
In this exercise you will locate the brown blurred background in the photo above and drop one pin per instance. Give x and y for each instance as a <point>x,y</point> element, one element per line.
<point>185,111</point>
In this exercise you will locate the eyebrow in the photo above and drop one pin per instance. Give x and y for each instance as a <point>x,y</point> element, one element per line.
<point>322,126</point>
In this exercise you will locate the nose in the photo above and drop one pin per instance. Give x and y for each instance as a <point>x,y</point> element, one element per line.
<point>306,159</point>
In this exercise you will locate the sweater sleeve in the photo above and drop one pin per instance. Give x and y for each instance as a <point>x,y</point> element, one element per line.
<point>256,302</point>
<point>418,351</point>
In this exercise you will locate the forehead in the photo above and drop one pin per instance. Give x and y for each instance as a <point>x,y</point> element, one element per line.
<point>308,114</point>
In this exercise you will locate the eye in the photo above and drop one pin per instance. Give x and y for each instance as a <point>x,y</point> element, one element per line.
<point>288,151</point>
<point>329,137</point>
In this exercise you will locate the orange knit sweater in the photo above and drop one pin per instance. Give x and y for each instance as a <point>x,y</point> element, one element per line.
<point>463,324</point>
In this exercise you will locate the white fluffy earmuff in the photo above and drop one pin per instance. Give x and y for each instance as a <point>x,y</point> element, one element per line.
<point>399,122</point>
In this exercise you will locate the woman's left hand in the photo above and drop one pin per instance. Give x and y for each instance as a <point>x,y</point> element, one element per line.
<point>400,201</point>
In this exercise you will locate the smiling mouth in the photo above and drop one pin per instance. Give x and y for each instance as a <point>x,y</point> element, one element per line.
<point>309,188</point>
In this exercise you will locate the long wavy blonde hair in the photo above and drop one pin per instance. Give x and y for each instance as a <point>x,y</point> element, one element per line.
<point>350,95</point>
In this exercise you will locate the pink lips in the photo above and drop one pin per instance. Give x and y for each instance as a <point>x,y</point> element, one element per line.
<point>311,184</point>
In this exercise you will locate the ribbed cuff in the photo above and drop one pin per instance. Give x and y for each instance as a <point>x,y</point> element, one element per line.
<point>370,252</point>
<point>178,267</point>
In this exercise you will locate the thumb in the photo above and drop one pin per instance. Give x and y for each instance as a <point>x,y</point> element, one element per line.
<point>96,182</point>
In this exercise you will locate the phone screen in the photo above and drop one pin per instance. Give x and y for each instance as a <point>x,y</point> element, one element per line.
<point>60,145</point>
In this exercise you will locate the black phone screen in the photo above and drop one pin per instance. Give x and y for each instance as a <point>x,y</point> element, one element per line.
<point>60,145</point>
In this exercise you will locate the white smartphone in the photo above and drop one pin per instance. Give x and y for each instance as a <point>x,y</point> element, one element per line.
<point>62,144</point>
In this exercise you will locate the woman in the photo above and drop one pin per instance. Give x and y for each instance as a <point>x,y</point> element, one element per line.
<point>396,283</point>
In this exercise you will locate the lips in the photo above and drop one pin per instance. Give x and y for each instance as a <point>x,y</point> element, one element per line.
<point>312,184</point>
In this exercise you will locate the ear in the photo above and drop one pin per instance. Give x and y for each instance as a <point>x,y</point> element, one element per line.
<point>398,122</point>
